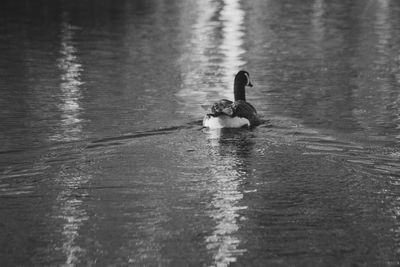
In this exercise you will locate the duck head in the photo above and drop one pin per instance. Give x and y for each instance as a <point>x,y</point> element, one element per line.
<point>242,79</point>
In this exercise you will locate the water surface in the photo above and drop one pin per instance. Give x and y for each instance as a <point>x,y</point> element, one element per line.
<point>104,161</point>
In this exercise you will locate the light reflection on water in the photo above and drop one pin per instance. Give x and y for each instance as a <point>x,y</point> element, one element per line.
<point>217,34</point>
<point>225,205</point>
<point>232,18</point>
<point>383,26</point>
<point>69,203</point>
<point>216,54</point>
<point>69,208</point>
<point>317,20</point>
<point>315,194</point>
<point>68,63</point>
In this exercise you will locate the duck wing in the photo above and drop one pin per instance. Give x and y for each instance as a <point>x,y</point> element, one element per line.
<point>238,108</point>
<point>244,109</point>
<point>222,107</point>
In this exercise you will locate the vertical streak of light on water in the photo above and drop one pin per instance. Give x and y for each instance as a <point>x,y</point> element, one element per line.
<point>71,69</point>
<point>69,208</point>
<point>225,205</point>
<point>383,31</point>
<point>214,56</point>
<point>232,17</point>
<point>68,205</point>
<point>383,27</point>
<point>196,87</point>
<point>397,77</point>
<point>317,21</point>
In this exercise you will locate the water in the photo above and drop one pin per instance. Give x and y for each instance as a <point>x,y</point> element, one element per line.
<point>104,162</point>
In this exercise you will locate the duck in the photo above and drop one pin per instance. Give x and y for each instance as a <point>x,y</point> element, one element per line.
<point>233,114</point>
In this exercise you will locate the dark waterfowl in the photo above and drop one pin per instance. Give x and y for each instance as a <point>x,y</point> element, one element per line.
<point>237,114</point>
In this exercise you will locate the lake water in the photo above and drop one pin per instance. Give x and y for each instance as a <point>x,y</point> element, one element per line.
<point>104,162</point>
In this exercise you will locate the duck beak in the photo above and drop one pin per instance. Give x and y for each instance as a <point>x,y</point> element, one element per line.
<point>250,84</point>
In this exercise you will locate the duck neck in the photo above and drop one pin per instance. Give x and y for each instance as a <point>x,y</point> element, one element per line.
<point>239,92</point>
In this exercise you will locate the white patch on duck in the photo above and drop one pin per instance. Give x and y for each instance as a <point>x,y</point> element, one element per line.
<point>225,121</point>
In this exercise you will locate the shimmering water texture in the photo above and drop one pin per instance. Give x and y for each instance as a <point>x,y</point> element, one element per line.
<point>104,162</point>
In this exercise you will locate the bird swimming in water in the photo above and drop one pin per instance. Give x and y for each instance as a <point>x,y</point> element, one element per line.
<point>237,114</point>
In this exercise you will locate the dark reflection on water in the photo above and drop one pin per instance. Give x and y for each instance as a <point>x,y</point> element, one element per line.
<point>103,160</point>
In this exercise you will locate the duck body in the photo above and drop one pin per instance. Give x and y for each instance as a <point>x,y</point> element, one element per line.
<point>228,114</point>
<point>233,114</point>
